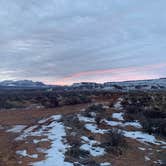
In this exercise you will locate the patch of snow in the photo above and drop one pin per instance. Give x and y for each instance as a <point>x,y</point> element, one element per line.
<point>85,119</point>
<point>118,105</point>
<point>35,141</point>
<point>143,137</point>
<point>25,154</point>
<point>22,152</point>
<point>16,129</point>
<point>43,120</point>
<point>69,128</point>
<point>158,162</point>
<point>135,124</point>
<point>147,158</point>
<point>56,117</point>
<point>56,153</point>
<point>140,148</point>
<point>92,142</point>
<point>42,132</point>
<point>106,107</point>
<point>94,151</point>
<point>93,114</point>
<point>118,116</point>
<point>105,164</point>
<point>33,156</point>
<point>115,123</point>
<point>29,132</point>
<point>90,145</point>
<point>30,129</point>
<point>41,150</point>
<point>94,129</point>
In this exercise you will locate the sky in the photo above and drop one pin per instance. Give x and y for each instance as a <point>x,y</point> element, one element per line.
<point>66,41</point>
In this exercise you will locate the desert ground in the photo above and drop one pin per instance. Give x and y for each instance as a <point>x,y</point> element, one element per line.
<point>96,133</point>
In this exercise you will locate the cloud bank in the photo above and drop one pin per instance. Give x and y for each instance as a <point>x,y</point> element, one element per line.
<point>65,41</point>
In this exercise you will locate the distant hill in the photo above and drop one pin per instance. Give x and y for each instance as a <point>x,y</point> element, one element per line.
<point>155,84</point>
<point>22,84</point>
<point>140,85</point>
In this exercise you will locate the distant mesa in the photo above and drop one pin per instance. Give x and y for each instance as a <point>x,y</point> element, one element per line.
<point>140,85</point>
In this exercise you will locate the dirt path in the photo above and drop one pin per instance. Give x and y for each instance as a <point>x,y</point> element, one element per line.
<point>28,117</point>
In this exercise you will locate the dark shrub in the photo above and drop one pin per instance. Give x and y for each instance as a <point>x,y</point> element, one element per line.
<point>76,152</point>
<point>95,108</point>
<point>98,120</point>
<point>115,142</point>
<point>90,162</point>
<point>115,138</point>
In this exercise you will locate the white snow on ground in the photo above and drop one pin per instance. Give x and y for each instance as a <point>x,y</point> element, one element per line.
<point>94,129</point>
<point>56,117</point>
<point>35,141</point>
<point>55,155</point>
<point>43,120</point>
<point>147,158</point>
<point>16,128</point>
<point>25,154</point>
<point>140,148</point>
<point>94,151</point>
<point>30,129</point>
<point>106,107</point>
<point>142,137</point>
<point>115,123</point>
<point>93,114</point>
<point>118,116</point>
<point>86,139</point>
<point>105,164</point>
<point>42,132</point>
<point>118,105</point>
<point>85,119</point>
<point>138,135</point>
<point>158,162</point>
<point>91,146</point>
<point>29,132</point>
<point>135,124</point>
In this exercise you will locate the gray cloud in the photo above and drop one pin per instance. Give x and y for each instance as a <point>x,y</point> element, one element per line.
<point>50,40</point>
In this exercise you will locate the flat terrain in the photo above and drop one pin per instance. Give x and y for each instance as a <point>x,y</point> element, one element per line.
<point>77,135</point>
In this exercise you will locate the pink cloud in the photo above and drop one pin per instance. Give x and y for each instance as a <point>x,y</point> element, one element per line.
<point>116,74</point>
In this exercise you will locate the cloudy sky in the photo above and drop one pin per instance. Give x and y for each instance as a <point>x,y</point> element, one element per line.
<point>66,41</point>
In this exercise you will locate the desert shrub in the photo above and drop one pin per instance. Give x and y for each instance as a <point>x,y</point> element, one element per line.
<point>115,138</point>
<point>90,162</point>
<point>157,126</point>
<point>95,108</point>
<point>98,120</point>
<point>50,102</point>
<point>72,99</point>
<point>76,152</point>
<point>74,141</point>
<point>149,109</point>
<point>115,142</point>
<point>154,114</point>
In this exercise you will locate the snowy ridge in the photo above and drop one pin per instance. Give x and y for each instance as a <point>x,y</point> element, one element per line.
<point>156,84</point>
<point>22,83</point>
